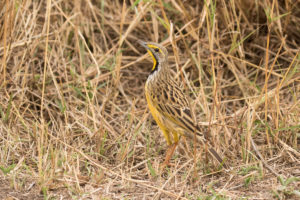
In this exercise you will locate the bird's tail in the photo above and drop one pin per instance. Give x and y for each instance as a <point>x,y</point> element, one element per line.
<point>200,137</point>
<point>213,152</point>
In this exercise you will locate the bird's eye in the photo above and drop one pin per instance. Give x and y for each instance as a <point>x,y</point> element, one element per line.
<point>156,49</point>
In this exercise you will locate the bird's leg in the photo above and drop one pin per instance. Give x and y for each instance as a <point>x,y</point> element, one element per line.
<point>169,154</point>
<point>206,155</point>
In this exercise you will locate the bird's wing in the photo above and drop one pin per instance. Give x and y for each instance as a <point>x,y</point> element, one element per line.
<point>173,105</point>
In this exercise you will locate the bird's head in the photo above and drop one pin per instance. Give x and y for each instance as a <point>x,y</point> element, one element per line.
<point>158,53</point>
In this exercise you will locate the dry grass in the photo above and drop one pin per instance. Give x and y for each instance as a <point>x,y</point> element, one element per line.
<point>74,121</point>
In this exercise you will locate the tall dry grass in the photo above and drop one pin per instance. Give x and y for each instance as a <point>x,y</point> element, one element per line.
<point>74,121</point>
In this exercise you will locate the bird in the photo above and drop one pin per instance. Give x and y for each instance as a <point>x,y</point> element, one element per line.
<point>169,106</point>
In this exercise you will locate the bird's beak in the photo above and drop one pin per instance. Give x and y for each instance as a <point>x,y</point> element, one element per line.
<point>144,44</point>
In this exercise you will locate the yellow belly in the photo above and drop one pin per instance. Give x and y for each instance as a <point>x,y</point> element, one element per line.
<point>166,127</point>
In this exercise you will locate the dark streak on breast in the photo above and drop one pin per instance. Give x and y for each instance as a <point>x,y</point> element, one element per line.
<point>168,109</point>
<point>178,111</point>
<point>188,112</point>
<point>165,94</point>
<point>188,120</point>
<point>186,125</point>
<point>160,107</point>
<point>172,98</point>
<point>172,112</point>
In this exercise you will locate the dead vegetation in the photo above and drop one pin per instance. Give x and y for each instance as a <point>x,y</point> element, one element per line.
<point>74,121</point>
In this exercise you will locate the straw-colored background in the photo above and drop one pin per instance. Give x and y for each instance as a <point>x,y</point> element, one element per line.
<point>74,120</point>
